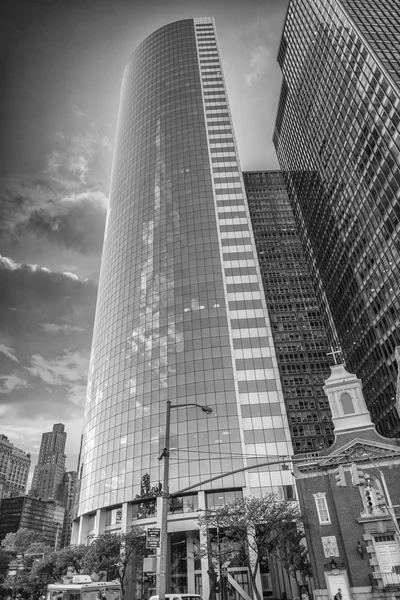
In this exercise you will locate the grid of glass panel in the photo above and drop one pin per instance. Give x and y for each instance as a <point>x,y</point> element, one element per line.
<point>338,142</point>
<point>164,327</point>
<point>299,335</point>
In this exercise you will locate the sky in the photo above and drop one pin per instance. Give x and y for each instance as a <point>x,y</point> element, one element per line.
<point>62,71</point>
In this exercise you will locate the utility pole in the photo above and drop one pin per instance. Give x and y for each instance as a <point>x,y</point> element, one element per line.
<point>164,549</point>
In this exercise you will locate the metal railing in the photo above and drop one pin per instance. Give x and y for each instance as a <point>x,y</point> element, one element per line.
<point>382,581</point>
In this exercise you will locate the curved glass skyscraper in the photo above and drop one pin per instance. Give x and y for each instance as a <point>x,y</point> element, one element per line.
<point>181,312</point>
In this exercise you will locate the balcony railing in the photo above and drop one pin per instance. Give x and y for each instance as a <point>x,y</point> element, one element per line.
<point>383,581</point>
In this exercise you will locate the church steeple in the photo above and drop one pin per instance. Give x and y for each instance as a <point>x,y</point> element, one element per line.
<point>346,400</point>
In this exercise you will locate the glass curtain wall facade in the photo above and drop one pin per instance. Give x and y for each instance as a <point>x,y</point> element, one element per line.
<point>338,142</point>
<point>300,338</point>
<point>181,312</point>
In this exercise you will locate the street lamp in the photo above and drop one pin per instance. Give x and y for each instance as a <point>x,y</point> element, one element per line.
<point>162,577</point>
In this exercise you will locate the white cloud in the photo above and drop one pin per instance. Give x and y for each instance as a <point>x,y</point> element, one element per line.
<point>55,328</point>
<point>8,383</point>
<point>9,352</point>
<point>11,265</point>
<point>260,55</point>
<point>77,394</point>
<point>77,111</point>
<point>106,143</point>
<point>69,368</point>
<point>3,411</point>
<point>71,275</point>
<point>17,432</point>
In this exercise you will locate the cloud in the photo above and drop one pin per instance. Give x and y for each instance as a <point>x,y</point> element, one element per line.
<point>65,203</point>
<point>106,143</point>
<point>259,54</point>
<point>9,352</point>
<point>37,305</point>
<point>76,221</point>
<point>78,112</point>
<point>18,433</point>
<point>70,367</point>
<point>8,383</point>
<point>11,265</point>
<point>77,394</point>
<point>58,328</point>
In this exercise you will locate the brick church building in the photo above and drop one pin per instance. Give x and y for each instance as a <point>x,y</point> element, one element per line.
<point>350,496</point>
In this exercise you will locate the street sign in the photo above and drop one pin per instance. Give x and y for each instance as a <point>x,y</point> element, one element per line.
<point>153,537</point>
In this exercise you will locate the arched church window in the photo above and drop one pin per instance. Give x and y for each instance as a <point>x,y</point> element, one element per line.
<point>347,404</point>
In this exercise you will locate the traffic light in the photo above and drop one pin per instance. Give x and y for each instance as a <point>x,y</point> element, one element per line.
<point>340,476</point>
<point>380,497</point>
<point>357,474</point>
<point>369,500</point>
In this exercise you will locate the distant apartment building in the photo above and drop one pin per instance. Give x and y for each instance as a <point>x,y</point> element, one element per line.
<point>337,138</point>
<point>299,335</point>
<point>49,472</point>
<point>14,469</point>
<point>42,516</point>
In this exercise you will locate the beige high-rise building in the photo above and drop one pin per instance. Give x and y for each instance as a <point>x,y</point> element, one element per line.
<point>14,469</point>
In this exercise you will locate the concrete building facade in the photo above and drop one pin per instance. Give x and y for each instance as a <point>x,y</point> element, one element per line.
<point>14,469</point>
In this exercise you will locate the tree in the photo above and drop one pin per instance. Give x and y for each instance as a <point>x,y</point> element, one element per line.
<point>42,573</point>
<point>254,527</point>
<point>120,554</point>
<point>54,566</point>
<point>37,564</point>
<point>21,540</point>
<point>292,553</point>
<point>71,556</point>
<point>42,565</point>
<point>221,549</point>
<point>5,559</point>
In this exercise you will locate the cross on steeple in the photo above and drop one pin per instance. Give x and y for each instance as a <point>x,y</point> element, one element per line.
<point>333,354</point>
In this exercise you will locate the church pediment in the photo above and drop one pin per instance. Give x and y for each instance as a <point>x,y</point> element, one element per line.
<point>359,450</point>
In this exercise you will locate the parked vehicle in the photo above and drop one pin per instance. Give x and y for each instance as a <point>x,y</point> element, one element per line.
<point>82,588</point>
<point>178,597</point>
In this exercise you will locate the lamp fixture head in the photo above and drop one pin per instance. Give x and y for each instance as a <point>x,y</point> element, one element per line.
<point>360,549</point>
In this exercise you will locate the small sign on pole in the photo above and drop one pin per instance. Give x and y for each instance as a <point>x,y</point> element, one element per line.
<point>153,537</point>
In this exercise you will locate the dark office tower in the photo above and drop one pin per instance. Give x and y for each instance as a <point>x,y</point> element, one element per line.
<point>43,516</point>
<point>181,312</point>
<point>337,138</point>
<point>300,339</point>
<point>49,471</point>
<point>66,497</point>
